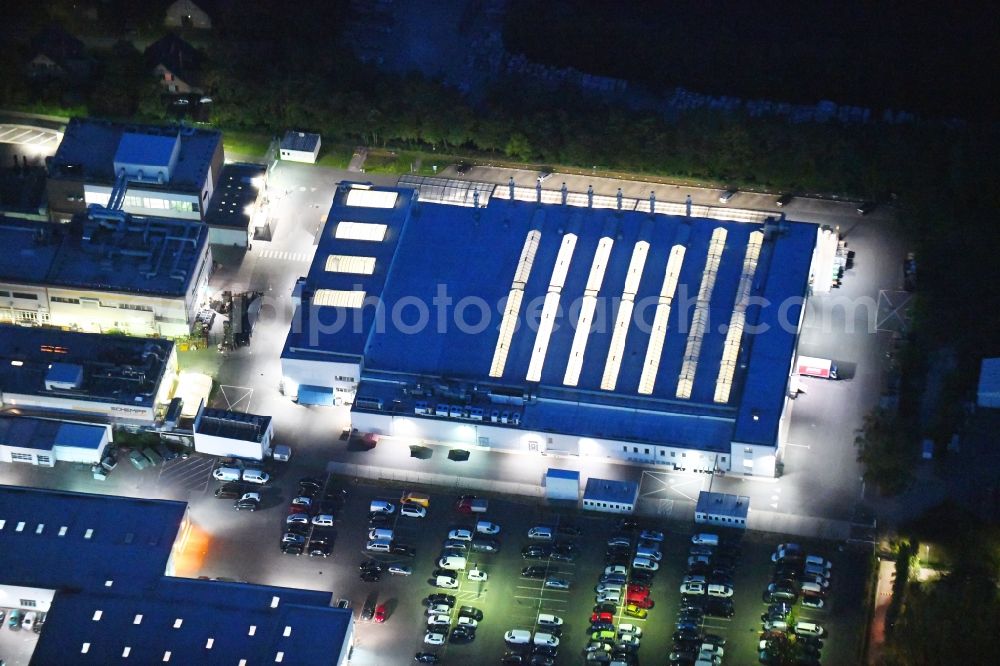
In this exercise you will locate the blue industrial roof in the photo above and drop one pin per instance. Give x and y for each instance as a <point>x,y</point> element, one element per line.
<point>116,368</point>
<point>141,256</point>
<point>80,435</point>
<point>324,332</point>
<point>557,473</point>
<point>233,194</point>
<point>89,147</point>
<point>143,614</point>
<point>723,504</point>
<point>142,148</point>
<point>301,141</point>
<point>446,259</point>
<point>129,540</point>
<point>610,490</point>
<point>43,434</point>
<point>771,353</point>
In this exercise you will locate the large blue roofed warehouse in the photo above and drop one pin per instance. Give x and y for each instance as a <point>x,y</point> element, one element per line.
<point>517,319</point>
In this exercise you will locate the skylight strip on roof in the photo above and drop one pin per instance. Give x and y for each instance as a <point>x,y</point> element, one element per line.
<point>550,308</point>
<point>699,321</point>
<point>734,334</point>
<point>338,298</point>
<point>658,335</point>
<point>508,324</point>
<point>343,263</point>
<point>614,361</point>
<point>545,324</point>
<point>599,266</point>
<point>580,336</point>
<point>527,259</point>
<point>563,260</point>
<point>371,198</point>
<point>365,231</point>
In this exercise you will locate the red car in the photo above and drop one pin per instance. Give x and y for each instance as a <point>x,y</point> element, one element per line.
<point>379,613</point>
<point>602,617</point>
<point>644,602</point>
<point>640,591</point>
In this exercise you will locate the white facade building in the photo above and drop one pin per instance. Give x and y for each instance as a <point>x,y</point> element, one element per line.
<point>145,277</point>
<point>45,442</point>
<point>218,432</point>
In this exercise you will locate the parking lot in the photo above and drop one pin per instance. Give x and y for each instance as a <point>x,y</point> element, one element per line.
<point>245,546</point>
<point>507,600</point>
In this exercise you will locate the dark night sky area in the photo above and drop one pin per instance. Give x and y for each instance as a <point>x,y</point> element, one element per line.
<point>938,59</point>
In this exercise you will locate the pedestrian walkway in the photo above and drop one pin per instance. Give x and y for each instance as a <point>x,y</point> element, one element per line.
<point>883,596</point>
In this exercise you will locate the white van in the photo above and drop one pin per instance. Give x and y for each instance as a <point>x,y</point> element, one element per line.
<point>540,533</point>
<point>648,553</point>
<point>549,620</point>
<point>542,638</point>
<point>256,476</point>
<point>447,582</point>
<point>323,520</point>
<point>29,620</point>
<point>608,587</point>
<point>379,546</point>
<point>226,474</point>
<point>517,636</point>
<point>705,539</point>
<point>381,506</point>
<point>808,629</point>
<point>720,591</point>
<point>380,534</point>
<point>452,562</point>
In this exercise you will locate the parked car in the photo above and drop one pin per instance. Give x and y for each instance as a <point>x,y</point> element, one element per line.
<point>248,502</point>
<point>554,583</point>
<point>536,551</point>
<point>434,638</point>
<point>784,200</point>
<point>399,570</point>
<point>651,535</point>
<point>485,545</point>
<point>540,533</point>
<point>460,535</point>
<point>812,601</point>
<point>412,510</point>
<point>533,572</point>
<point>643,563</point>
<point>232,490</point>
<point>633,610</point>
<point>469,611</point>
<point>439,598</point>
<point>319,549</point>
<point>426,658</point>
<point>462,634</point>
<point>486,527</point>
